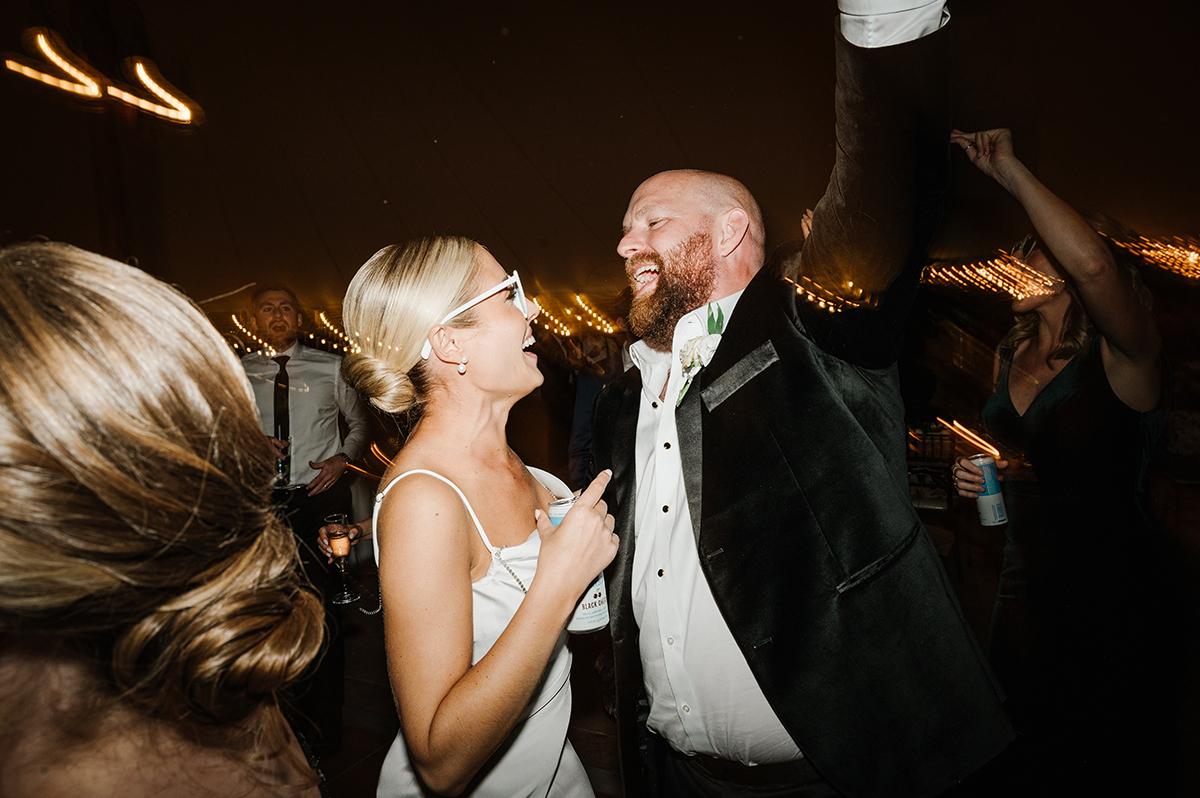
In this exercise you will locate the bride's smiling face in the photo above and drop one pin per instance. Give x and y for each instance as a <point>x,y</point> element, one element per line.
<point>498,359</point>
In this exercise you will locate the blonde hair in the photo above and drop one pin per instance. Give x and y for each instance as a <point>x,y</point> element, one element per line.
<point>393,300</point>
<point>136,526</point>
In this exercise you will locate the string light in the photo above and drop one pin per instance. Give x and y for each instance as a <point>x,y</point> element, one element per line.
<point>548,321</point>
<point>602,322</point>
<point>1178,254</point>
<point>1004,274</point>
<point>348,344</point>
<point>266,348</point>
<point>969,436</point>
<point>175,109</point>
<point>826,299</point>
<point>84,83</point>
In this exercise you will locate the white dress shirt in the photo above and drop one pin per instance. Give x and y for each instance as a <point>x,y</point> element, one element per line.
<point>316,394</point>
<point>704,698</point>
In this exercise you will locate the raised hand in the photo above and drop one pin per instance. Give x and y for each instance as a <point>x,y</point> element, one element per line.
<point>990,150</point>
<point>581,546</point>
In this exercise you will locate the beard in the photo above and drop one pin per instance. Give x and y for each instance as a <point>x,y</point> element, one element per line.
<point>686,276</point>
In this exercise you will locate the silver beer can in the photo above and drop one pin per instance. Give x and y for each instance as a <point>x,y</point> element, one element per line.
<point>990,502</point>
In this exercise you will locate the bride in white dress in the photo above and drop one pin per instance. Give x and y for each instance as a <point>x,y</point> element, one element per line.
<point>477,585</point>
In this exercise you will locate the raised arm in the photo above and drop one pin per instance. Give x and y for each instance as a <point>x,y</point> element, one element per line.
<point>1111,302</point>
<point>1125,322</point>
<point>456,715</point>
<point>871,228</point>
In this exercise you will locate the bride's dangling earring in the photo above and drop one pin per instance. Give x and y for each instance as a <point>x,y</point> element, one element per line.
<point>462,366</point>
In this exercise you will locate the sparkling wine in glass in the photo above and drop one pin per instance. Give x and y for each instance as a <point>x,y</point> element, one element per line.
<point>339,546</point>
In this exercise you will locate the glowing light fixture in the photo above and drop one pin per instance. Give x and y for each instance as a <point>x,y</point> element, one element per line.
<point>970,437</point>
<point>85,81</point>
<point>56,53</point>
<point>177,108</point>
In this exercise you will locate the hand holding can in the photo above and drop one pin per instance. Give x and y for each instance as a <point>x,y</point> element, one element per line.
<point>591,613</point>
<point>577,545</point>
<point>978,477</point>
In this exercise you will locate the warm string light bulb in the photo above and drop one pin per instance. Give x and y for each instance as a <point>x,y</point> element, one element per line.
<point>827,300</point>
<point>600,321</point>
<point>266,349</point>
<point>548,321</point>
<point>348,344</point>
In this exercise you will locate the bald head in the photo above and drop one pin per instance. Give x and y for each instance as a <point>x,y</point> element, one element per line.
<point>673,206</point>
<point>715,194</point>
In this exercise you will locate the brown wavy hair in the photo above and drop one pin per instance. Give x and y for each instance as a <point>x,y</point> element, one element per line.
<point>1078,330</point>
<point>136,527</point>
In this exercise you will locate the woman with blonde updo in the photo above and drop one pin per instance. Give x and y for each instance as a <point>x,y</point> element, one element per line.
<point>150,603</point>
<point>477,585</point>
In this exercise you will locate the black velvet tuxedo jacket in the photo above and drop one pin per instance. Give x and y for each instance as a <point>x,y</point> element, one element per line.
<point>793,451</point>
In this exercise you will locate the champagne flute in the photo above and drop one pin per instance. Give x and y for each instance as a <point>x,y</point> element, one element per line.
<point>339,546</point>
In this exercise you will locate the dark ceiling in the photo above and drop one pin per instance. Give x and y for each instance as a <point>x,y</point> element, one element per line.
<point>333,129</point>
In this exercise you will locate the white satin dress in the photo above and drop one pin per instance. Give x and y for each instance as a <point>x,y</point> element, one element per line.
<point>536,759</point>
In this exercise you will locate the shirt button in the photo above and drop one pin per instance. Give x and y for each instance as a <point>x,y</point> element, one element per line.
<point>666,508</point>
<point>667,445</point>
<point>670,641</point>
<point>660,572</point>
<point>654,405</point>
<point>686,709</point>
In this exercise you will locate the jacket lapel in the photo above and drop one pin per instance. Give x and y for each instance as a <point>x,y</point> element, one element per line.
<point>689,428</point>
<point>743,333</point>
<point>623,490</point>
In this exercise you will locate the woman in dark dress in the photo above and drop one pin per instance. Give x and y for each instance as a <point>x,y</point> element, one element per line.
<point>1081,630</point>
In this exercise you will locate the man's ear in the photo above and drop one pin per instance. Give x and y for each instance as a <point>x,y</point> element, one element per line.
<point>733,229</point>
<point>445,347</point>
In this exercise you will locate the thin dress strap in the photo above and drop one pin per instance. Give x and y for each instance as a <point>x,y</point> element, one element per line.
<point>461,495</point>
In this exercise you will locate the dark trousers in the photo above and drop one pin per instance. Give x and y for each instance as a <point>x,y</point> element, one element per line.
<point>313,705</point>
<point>680,775</point>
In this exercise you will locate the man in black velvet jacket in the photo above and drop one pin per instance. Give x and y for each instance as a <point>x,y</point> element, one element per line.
<point>781,623</point>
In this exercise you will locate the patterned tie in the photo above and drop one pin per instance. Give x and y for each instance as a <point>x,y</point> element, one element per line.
<point>282,422</point>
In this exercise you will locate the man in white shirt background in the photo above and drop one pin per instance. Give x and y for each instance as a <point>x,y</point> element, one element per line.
<point>781,622</point>
<point>303,404</point>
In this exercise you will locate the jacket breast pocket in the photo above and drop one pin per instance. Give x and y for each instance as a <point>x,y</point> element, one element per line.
<point>740,373</point>
<point>878,566</point>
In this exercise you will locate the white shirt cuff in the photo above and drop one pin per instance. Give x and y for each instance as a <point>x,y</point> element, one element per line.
<point>880,23</point>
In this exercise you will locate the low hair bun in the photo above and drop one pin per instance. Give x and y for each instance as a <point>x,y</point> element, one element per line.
<point>383,385</point>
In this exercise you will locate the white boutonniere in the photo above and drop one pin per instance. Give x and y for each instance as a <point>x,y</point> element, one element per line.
<point>698,352</point>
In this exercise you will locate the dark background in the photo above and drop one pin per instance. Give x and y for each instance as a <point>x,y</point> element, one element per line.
<point>333,129</point>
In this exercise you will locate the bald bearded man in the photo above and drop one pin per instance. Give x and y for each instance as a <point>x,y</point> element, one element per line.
<point>781,622</point>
